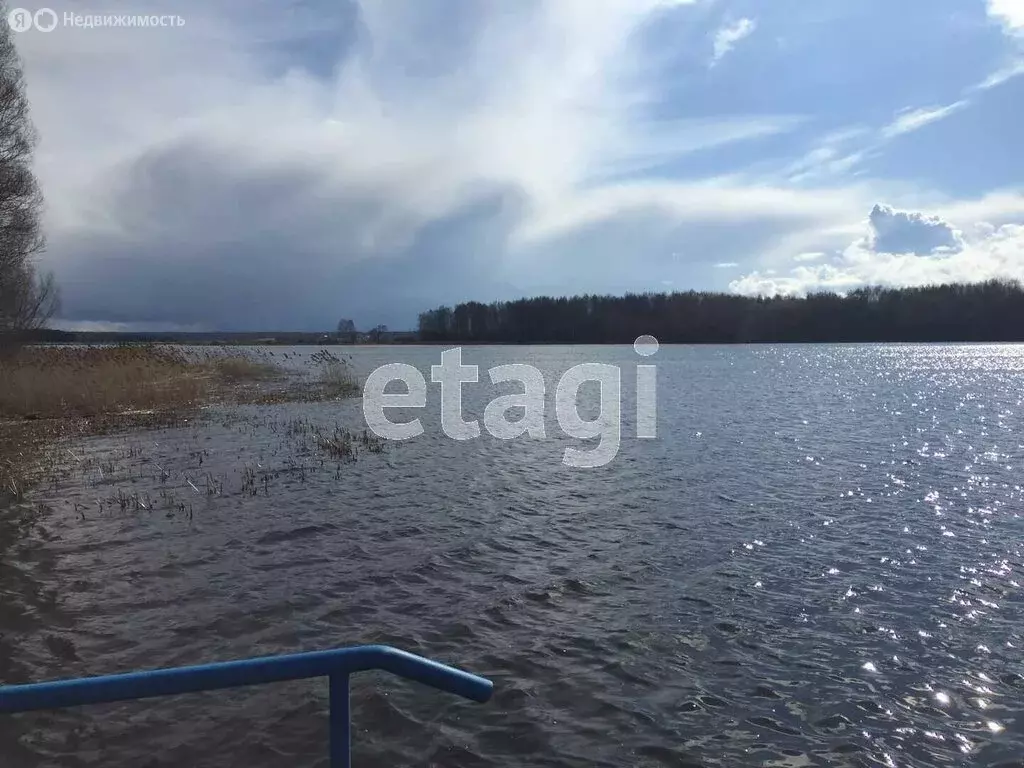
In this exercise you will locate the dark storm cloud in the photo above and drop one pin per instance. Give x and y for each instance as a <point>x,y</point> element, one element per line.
<point>207,240</point>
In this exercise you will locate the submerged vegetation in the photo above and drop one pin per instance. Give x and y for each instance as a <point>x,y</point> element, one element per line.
<point>181,475</point>
<point>49,394</point>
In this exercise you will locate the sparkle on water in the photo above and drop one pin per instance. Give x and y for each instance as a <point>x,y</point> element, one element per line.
<point>818,562</point>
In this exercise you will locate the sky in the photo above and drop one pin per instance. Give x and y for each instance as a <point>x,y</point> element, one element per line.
<point>273,164</point>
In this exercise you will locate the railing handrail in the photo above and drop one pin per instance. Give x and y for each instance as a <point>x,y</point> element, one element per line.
<point>335,664</point>
<point>235,674</point>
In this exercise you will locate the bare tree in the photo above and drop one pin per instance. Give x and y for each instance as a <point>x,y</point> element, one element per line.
<point>27,299</point>
<point>347,331</point>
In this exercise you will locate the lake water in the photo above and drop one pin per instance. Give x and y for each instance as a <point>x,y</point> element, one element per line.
<point>818,562</point>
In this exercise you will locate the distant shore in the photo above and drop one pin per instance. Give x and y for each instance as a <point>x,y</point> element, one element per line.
<point>214,338</point>
<point>285,340</point>
<point>991,311</point>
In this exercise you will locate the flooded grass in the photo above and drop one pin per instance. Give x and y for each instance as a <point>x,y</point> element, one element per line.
<point>167,472</point>
<point>335,375</point>
<point>51,395</point>
<point>235,368</point>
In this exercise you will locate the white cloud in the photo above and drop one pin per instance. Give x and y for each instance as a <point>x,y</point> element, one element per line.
<point>670,140</point>
<point>981,252</point>
<point>726,265</point>
<point>721,201</point>
<point>840,154</point>
<point>895,231</point>
<point>834,154</point>
<point>913,119</point>
<point>1000,207</point>
<point>999,255</point>
<point>728,36</point>
<point>1003,75</point>
<point>1009,12</point>
<point>812,256</point>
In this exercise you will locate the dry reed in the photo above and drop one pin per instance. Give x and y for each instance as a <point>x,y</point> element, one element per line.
<point>46,382</point>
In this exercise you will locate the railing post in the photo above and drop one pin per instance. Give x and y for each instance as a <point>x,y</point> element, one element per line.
<point>340,722</point>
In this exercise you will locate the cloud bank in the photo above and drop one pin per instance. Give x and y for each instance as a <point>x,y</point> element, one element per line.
<point>902,248</point>
<point>280,165</point>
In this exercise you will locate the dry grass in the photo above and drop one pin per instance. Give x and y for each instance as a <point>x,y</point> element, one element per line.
<point>335,378</point>
<point>47,382</point>
<point>49,394</point>
<point>238,368</point>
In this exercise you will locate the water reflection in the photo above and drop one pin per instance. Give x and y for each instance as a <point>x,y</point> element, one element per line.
<point>818,563</point>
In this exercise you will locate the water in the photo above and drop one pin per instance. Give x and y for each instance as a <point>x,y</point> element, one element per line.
<point>817,563</point>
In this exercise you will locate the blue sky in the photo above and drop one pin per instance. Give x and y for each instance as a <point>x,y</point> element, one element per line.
<point>281,165</point>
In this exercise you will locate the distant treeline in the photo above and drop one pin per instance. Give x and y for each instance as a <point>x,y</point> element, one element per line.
<point>290,338</point>
<point>990,311</point>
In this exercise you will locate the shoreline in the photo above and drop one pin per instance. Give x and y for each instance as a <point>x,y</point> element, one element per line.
<point>52,394</point>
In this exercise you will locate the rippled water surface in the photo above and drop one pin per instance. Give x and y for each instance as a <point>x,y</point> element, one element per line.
<point>818,562</point>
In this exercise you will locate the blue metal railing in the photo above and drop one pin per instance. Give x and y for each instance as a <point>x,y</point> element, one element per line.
<point>336,665</point>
